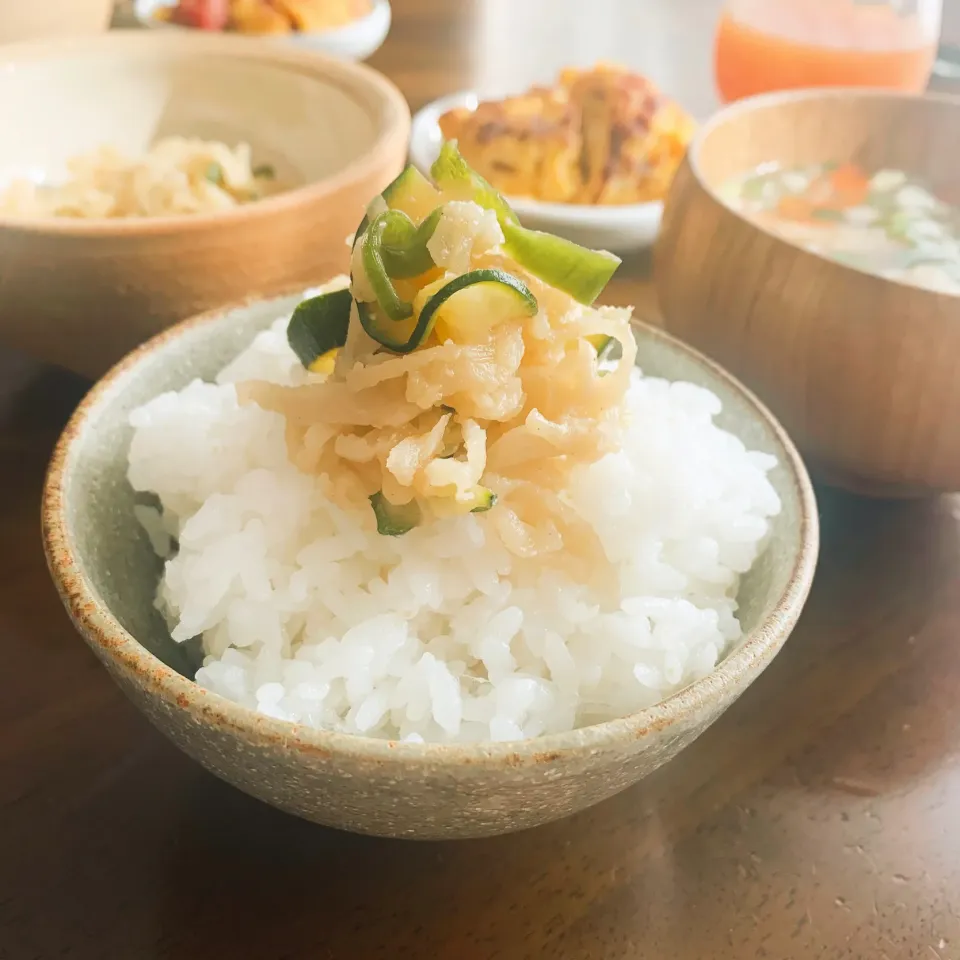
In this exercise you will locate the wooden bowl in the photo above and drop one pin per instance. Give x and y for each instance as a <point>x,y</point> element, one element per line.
<point>53,18</point>
<point>107,574</point>
<point>82,293</point>
<point>862,371</point>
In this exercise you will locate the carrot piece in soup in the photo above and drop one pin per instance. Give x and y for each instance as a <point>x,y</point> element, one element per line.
<point>795,208</point>
<point>850,185</point>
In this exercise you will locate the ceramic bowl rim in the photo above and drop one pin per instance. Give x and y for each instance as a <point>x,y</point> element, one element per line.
<point>778,98</point>
<point>112,642</point>
<point>348,76</point>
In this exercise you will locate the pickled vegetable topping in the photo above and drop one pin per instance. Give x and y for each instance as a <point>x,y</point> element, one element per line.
<point>462,372</point>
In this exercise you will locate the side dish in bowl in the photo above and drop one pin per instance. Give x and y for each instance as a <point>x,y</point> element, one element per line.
<point>451,563</point>
<point>591,157</point>
<point>175,176</point>
<point>885,222</point>
<point>351,29</point>
<point>264,17</point>
<point>156,175</point>
<point>810,244</point>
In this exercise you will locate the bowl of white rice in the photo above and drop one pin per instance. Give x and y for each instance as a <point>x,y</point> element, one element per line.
<point>427,686</point>
<point>154,175</point>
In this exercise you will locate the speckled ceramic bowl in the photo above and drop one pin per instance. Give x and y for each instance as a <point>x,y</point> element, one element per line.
<point>107,574</point>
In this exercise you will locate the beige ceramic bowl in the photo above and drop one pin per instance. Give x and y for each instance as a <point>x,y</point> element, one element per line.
<point>107,574</point>
<point>82,293</point>
<point>45,19</point>
<point>861,370</point>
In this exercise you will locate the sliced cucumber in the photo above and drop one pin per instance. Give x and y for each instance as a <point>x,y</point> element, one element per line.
<point>394,520</point>
<point>580,272</point>
<point>319,326</point>
<point>475,301</point>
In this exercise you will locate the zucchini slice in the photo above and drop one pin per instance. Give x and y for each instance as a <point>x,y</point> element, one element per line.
<point>498,295</point>
<point>404,245</point>
<point>400,336</point>
<point>484,500</point>
<point>325,363</point>
<point>371,253</point>
<point>609,352</point>
<point>413,194</point>
<point>319,326</point>
<point>395,520</point>
<point>481,500</point>
<point>410,193</point>
<point>475,301</point>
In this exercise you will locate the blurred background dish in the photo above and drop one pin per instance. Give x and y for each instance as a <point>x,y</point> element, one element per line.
<point>117,281</point>
<point>766,45</point>
<point>352,29</point>
<point>859,367</point>
<point>53,18</point>
<point>175,175</point>
<point>590,158</point>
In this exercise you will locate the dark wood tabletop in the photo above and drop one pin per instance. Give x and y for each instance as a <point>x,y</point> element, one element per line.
<point>819,818</point>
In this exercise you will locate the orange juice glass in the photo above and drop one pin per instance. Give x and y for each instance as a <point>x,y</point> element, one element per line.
<point>765,45</point>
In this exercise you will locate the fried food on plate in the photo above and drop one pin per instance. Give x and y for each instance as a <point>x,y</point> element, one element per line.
<point>601,136</point>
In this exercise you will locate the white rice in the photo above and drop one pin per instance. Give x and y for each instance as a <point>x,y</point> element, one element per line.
<point>308,615</point>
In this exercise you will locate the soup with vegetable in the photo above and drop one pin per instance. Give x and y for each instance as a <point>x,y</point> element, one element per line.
<point>887,223</point>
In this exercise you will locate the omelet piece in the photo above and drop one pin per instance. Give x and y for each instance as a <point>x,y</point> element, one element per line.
<point>602,136</point>
<point>650,175</point>
<point>617,109</point>
<point>527,146</point>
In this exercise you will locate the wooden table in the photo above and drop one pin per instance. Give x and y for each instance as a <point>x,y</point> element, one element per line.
<point>819,818</point>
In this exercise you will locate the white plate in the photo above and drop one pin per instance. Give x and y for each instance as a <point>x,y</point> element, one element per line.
<point>355,41</point>
<point>622,229</point>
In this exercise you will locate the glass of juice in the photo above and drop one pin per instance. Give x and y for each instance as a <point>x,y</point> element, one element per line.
<point>765,45</point>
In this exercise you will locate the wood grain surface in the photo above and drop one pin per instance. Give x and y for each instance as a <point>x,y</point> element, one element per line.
<point>820,818</point>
